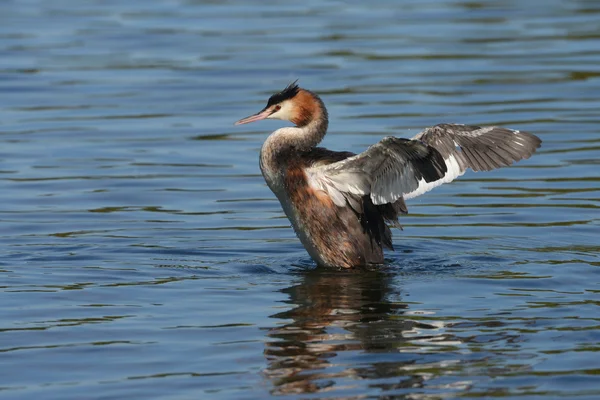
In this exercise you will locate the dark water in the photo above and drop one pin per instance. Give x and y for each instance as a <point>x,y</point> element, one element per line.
<point>142,255</point>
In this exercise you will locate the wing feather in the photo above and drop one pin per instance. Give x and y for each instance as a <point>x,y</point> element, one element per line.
<point>385,171</point>
<point>484,148</point>
<point>395,169</point>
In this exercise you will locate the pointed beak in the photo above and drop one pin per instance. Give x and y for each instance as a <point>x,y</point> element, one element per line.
<point>253,118</point>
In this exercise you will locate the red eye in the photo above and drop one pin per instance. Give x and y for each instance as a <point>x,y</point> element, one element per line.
<point>277,108</point>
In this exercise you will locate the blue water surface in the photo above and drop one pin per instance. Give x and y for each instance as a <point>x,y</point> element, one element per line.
<point>142,255</point>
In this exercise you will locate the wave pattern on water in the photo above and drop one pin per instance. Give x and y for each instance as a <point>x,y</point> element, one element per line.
<point>144,257</point>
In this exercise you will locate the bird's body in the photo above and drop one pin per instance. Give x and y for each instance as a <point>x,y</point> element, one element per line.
<point>340,204</point>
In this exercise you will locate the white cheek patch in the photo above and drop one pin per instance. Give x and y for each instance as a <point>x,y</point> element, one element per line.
<point>284,113</point>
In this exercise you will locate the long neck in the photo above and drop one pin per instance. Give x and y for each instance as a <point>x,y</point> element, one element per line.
<point>311,127</point>
<point>301,138</point>
<point>310,117</point>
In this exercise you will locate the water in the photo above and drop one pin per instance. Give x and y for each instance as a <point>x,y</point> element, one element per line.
<point>142,255</point>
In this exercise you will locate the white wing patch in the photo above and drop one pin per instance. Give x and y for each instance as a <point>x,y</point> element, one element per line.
<point>454,171</point>
<point>357,183</point>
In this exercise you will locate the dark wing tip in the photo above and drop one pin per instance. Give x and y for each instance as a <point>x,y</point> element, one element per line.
<point>530,142</point>
<point>535,141</point>
<point>499,147</point>
<point>290,91</point>
<point>481,148</point>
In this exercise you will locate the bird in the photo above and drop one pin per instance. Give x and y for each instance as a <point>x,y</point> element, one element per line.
<point>341,204</point>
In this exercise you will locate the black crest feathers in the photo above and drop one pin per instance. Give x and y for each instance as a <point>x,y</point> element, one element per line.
<point>290,91</point>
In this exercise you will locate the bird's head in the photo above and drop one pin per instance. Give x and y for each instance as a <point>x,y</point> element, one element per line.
<point>291,104</point>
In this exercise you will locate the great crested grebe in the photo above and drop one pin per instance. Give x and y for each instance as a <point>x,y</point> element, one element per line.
<point>340,203</point>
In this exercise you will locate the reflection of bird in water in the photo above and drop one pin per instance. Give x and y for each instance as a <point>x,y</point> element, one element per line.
<point>335,316</point>
<point>340,203</point>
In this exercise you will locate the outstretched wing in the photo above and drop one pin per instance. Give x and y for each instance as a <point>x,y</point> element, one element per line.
<point>385,171</point>
<point>395,168</point>
<point>481,149</point>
